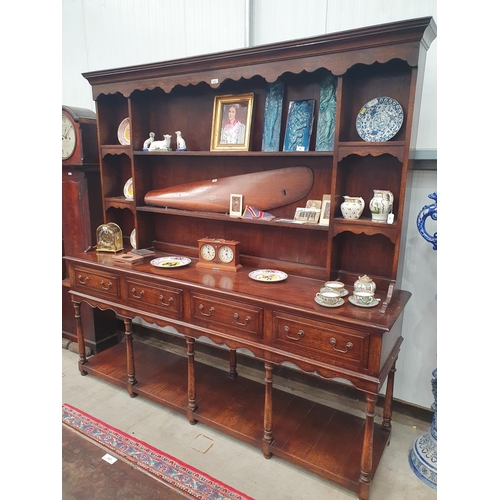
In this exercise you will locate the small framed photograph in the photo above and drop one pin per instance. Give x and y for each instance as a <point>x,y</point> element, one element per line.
<point>236,205</point>
<point>324,220</point>
<point>232,122</point>
<point>307,215</point>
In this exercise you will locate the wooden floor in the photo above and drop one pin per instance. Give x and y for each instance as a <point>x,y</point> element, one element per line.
<point>85,475</point>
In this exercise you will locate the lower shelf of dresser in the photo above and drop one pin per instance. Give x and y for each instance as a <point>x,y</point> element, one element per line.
<point>318,438</point>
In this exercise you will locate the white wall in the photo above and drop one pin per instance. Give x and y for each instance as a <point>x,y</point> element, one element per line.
<point>102,34</point>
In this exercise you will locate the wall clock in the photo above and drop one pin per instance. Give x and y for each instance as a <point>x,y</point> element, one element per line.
<point>218,254</point>
<point>79,136</point>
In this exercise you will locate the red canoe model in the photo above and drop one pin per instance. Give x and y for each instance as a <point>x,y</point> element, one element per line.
<point>262,190</point>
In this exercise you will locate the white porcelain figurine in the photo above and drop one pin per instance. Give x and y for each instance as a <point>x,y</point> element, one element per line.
<point>147,142</point>
<point>181,143</point>
<point>161,145</point>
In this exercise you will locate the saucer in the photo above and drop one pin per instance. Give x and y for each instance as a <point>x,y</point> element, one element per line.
<point>352,300</point>
<point>339,303</point>
<point>343,293</point>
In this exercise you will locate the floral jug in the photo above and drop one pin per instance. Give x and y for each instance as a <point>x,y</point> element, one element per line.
<point>381,205</point>
<point>352,207</point>
<point>364,283</point>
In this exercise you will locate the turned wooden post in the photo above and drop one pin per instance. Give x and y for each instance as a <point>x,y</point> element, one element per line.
<point>130,357</point>
<point>367,453</point>
<point>388,399</point>
<point>192,406</point>
<point>81,340</point>
<point>232,364</point>
<point>267,439</point>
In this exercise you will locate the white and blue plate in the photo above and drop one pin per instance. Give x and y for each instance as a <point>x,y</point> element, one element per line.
<point>379,119</point>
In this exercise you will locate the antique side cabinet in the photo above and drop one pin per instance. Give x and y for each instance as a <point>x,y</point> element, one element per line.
<point>277,322</point>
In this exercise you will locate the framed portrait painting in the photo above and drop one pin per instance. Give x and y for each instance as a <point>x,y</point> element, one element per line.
<point>232,122</point>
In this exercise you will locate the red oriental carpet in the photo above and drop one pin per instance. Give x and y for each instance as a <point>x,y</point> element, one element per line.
<point>150,460</point>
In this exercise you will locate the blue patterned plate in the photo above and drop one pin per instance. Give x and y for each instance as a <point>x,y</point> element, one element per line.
<point>379,120</point>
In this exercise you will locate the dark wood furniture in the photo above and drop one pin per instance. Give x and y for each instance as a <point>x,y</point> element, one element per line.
<point>277,322</point>
<point>81,215</point>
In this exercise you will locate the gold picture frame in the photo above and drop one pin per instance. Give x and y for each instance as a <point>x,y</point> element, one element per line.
<point>234,135</point>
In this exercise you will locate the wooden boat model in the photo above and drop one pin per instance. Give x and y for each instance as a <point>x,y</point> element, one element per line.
<point>262,190</point>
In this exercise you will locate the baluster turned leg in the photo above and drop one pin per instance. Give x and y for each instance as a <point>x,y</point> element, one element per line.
<point>232,364</point>
<point>130,357</point>
<point>367,453</point>
<point>388,400</point>
<point>81,340</point>
<point>267,440</point>
<point>192,406</point>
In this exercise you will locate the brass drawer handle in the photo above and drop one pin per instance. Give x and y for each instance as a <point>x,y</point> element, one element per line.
<point>210,311</point>
<point>247,320</point>
<point>348,346</point>
<point>300,333</point>
<point>137,296</point>
<point>169,301</point>
<point>104,286</point>
<point>82,280</point>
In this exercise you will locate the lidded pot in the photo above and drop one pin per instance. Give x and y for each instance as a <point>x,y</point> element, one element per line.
<point>364,283</point>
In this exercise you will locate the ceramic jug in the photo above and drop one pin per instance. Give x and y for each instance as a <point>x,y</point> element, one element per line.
<point>381,205</point>
<point>352,207</point>
<point>364,283</point>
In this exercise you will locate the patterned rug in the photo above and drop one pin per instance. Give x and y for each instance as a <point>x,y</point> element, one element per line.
<point>152,461</point>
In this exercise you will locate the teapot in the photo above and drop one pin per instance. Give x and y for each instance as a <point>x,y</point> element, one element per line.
<point>364,283</point>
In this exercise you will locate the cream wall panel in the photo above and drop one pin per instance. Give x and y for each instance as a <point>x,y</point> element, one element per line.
<point>418,356</point>
<point>114,33</point>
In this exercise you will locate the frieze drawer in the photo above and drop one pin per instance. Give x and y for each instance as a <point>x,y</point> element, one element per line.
<point>164,300</point>
<point>321,340</point>
<point>227,316</point>
<point>90,281</point>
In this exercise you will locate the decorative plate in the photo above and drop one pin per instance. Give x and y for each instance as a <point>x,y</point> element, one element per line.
<point>133,241</point>
<point>352,300</point>
<point>268,275</point>
<point>379,120</point>
<point>124,132</point>
<point>169,262</point>
<point>339,303</point>
<point>128,189</point>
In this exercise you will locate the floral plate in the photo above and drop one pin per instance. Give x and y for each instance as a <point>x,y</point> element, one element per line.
<point>128,189</point>
<point>170,262</point>
<point>268,275</point>
<point>379,120</point>
<point>124,132</point>
<point>133,240</point>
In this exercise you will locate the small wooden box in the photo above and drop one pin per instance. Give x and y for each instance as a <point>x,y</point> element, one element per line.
<point>128,259</point>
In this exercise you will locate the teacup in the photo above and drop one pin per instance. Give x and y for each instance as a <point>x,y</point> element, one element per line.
<point>336,286</point>
<point>329,298</point>
<point>364,297</point>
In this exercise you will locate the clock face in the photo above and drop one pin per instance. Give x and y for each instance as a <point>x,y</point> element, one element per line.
<point>68,137</point>
<point>207,251</point>
<point>226,254</point>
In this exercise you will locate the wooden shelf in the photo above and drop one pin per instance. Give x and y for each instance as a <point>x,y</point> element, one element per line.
<point>304,432</point>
